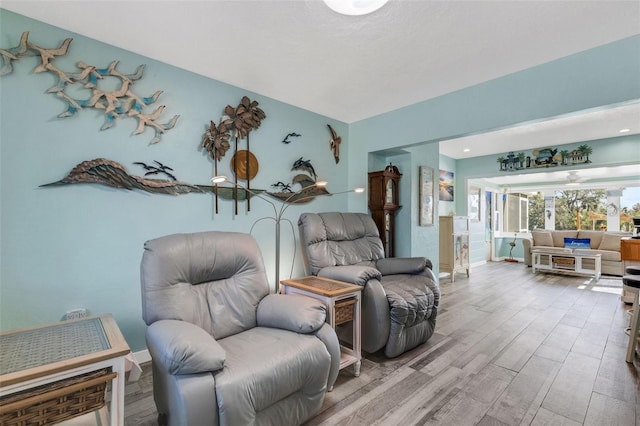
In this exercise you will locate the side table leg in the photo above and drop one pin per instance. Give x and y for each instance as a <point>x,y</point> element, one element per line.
<point>117,393</point>
<point>356,368</point>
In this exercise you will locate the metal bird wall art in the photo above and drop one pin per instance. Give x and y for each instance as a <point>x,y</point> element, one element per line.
<point>121,102</point>
<point>290,135</point>
<point>334,144</point>
<point>160,169</point>
<point>301,164</point>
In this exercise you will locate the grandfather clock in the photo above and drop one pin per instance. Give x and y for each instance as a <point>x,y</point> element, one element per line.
<point>383,203</point>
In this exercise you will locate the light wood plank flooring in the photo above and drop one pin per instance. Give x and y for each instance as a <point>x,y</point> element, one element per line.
<point>510,348</point>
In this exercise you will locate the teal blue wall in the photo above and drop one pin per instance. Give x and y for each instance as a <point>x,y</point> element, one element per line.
<point>600,77</point>
<point>606,152</point>
<point>81,245</point>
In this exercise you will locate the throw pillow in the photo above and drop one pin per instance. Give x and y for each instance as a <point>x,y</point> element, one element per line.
<point>577,243</point>
<point>542,237</point>
<point>610,242</point>
<point>559,236</point>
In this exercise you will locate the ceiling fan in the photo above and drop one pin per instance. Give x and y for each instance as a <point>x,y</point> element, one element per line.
<point>574,179</point>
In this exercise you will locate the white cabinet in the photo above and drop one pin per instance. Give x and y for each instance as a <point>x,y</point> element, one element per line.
<point>454,245</point>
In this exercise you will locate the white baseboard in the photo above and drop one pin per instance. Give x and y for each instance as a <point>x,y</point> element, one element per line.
<point>142,356</point>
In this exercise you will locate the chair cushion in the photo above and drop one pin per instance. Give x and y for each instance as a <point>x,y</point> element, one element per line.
<point>296,313</point>
<point>337,239</point>
<point>410,300</point>
<point>212,279</point>
<point>265,366</point>
<point>184,348</point>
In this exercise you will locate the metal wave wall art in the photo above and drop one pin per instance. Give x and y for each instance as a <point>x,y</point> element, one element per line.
<point>119,103</point>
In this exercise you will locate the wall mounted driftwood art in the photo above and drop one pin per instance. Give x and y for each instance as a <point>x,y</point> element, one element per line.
<point>119,103</point>
<point>113,174</point>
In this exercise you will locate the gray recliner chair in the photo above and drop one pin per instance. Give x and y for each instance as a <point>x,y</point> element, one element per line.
<point>400,296</point>
<point>225,351</point>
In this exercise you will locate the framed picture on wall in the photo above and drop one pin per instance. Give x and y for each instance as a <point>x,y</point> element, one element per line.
<point>446,185</point>
<point>473,208</point>
<point>427,196</point>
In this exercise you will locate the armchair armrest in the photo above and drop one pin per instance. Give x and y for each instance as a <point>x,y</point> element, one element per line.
<point>299,314</point>
<point>403,265</point>
<point>184,348</point>
<point>355,274</point>
<point>527,243</point>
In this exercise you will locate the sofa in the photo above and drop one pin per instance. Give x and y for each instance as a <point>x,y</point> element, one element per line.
<point>605,243</point>
<point>400,296</point>
<point>223,350</point>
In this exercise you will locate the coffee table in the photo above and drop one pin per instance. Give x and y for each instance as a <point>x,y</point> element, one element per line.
<point>566,261</point>
<point>54,357</point>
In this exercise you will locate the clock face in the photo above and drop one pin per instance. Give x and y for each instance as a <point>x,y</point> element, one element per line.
<point>390,188</point>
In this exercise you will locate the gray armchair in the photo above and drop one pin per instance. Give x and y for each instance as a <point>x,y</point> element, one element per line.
<point>223,350</point>
<point>400,296</point>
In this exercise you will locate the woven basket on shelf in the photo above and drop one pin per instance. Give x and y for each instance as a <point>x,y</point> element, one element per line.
<point>55,402</point>
<point>344,310</point>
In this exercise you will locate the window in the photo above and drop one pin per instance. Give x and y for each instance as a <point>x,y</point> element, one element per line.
<point>516,213</point>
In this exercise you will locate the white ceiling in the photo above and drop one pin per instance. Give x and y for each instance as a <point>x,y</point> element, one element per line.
<point>345,67</point>
<point>352,68</point>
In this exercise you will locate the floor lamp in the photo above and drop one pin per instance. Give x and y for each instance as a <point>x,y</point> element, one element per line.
<point>278,213</point>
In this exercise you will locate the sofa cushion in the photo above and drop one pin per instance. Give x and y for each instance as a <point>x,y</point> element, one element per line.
<point>559,236</point>
<point>608,255</point>
<point>610,242</point>
<point>542,238</point>
<point>594,236</point>
<point>265,366</point>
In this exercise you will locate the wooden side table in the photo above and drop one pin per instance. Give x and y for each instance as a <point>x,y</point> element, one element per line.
<point>54,357</point>
<point>343,305</point>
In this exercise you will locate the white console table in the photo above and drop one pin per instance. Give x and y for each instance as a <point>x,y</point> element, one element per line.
<point>566,261</point>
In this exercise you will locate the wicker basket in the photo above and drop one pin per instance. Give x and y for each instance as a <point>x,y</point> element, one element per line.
<point>344,310</point>
<point>56,402</point>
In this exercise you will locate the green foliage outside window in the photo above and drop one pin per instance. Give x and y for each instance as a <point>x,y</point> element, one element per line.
<point>588,204</point>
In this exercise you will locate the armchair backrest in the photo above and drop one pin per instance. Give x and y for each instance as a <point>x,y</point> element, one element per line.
<point>214,280</point>
<point>338,239</point>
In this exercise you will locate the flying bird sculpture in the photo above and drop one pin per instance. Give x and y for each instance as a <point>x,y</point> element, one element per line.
<point>334,144</point>
<point>305,165</point>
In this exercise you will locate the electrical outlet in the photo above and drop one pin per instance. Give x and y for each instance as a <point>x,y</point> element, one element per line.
<point>76,313</point>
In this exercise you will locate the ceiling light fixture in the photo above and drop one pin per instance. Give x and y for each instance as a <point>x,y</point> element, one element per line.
<point>355,7</point>
<point>625,130</point>
<point>466,150</point>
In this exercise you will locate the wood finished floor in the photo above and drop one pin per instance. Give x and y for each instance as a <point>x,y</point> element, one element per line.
<point>510,348</point>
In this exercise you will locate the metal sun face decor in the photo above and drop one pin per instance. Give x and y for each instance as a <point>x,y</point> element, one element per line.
<point>119,103</point>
